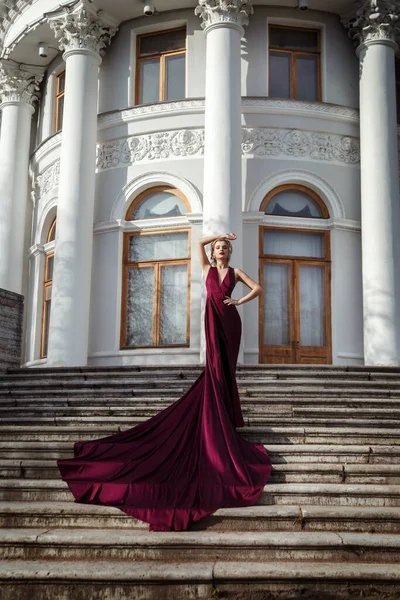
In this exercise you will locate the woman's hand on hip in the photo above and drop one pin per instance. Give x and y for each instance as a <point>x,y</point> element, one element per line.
<point>229,301</point>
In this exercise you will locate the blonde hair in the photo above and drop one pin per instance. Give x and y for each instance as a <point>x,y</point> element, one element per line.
<point>228,243</point>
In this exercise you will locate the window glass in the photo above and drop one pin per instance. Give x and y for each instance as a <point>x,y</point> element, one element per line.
<point>293,203</point>
<point>167,41</point>
<point>149,81</point>
<point>175,73</point>
<point>59,101</point>
<point>312,305</point>
<point>173,304</point>
<point>280,80</point>
<point>139,321</point>
<point>159,204</point>
<point>293,39</point>
<point>276,304</point>
<point>158,246</point>
<point>293,243</point>
<point>306,77</point>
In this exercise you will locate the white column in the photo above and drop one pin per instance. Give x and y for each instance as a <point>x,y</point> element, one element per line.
<point>18,85</point>
<point>222,204</point>
<point>373,29</point>
<point>82,35</point>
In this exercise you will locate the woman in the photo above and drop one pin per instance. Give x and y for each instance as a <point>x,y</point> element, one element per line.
<point>188,460</point>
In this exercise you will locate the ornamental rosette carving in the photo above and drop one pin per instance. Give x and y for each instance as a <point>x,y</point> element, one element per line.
<point>19,83</point>
<point>81,28</point>
<point>235,12</point>
<point>374,20</point>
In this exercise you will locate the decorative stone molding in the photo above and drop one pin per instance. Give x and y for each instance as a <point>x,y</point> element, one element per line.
<point>154,146</point>
<point>46,147</point>
<point>216,12</point>
<point>374,20</point>
<point>301,144</point>
<point>18,82</point>
<point>81,27</point>
<point>259,142</point>
<point>47,181</point>
<point>316,110</point>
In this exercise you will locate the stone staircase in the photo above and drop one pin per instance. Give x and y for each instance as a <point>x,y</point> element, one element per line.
<point>328,521</point>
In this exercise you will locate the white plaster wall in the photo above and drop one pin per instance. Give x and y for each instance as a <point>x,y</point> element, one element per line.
<point>347,316</point>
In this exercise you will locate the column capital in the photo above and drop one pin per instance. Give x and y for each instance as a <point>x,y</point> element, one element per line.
<point>374,21</point>
<point>19,83</point>
<point>233,13</point>
<point>81,27</point>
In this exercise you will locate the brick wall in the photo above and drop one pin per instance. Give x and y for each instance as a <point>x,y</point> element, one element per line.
<point>11,315</point>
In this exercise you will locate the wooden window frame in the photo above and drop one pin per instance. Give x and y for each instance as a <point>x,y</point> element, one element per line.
<point>297,260</point>
<point>294,53</point>
<point>162,56</point>
<point>47,283</point>
<point>58,96</point>
<point>299,188</point>
<point>156,264</point>
<point>159,188</point>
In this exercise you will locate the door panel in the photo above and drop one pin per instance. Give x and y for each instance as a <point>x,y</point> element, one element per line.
<point>295,312</point>
<point>277,311</point>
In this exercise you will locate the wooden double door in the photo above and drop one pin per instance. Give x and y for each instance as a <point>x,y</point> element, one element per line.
<point>295,321</point>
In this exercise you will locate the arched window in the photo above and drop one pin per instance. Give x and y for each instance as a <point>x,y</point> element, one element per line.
<point>48,284</point>
<point>156,266</point>
<point>294,201</point>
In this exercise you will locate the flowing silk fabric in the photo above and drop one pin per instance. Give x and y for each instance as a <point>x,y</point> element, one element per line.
<point>188,460</point>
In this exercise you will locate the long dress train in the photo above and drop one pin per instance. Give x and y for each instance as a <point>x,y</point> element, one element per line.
<point>188,460</point>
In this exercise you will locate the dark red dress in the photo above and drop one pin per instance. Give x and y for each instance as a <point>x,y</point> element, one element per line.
<point>188,460</point>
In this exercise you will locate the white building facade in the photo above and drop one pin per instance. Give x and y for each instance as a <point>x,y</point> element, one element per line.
<point>125,136</point>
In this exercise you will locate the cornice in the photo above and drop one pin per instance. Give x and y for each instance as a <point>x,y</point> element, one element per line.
<point>317,110</point>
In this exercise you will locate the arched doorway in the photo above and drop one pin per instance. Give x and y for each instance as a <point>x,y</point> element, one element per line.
<point>295,271</point>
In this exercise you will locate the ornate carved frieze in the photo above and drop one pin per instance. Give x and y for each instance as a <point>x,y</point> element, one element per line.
<point>154,146</point>
<point>81,27</point>
<point>46,181</point>
<point>259,142</point>
<point>374,20</point>
<point>234,12</point>
<point>19,83</point>
<point>301,144</point>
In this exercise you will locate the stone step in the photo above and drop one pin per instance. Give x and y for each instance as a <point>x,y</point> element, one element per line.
<point>150,580</point>
<point>267,411</point>
<point>177,381</point>
<point>254,518</point>
<point>22,425</point>
<point>279,453</point>
<point>263,435</point>
<point>289,473</point>
<point>284,402</point>
<point>265,392</point>
<point>321,494</point>
<point>122,544</point>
